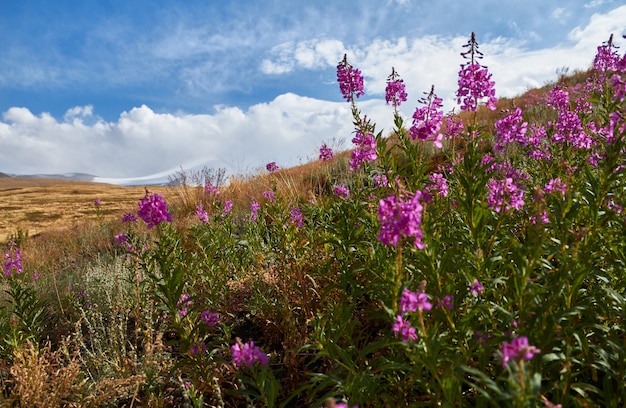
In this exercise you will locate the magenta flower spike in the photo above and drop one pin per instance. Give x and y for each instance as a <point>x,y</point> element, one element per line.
<point>153,210</point>
<point>350,80</point>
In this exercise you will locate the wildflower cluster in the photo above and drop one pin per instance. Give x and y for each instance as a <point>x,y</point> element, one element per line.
<point>518,350</point>
<point>395,92</point>
<point>153,210</point>
<point>272,167</point>
<point>350,80</point>
<point>248,354</point>
<point>365,150</point>
<point>504,195</point>
<point>13,260</point>
<point>427,120</point>
<point>326,153</point>
<point>400,219</point>
<point>475,80</point>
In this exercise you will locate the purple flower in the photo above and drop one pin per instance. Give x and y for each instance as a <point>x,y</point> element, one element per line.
<point>427,120</point>
<point>254,209</point>
<point>380,180</point>
<point>248,354</point>
<point>209,318</point>
<point>395,92</point>
<point>365,150</point>
<point>475,83</point>
<point>350,80</point>
<point>404,328</point>
<point>211,189</point>
<point>13,260</point>
<point>446,302</point>
<point>474,80</point>
<point>476,288</point>
<point>413,301</point>
<point>197,348</point>
<point>344,405</point>
<point>440,184</point>
<point>295,217</point>
<point>121,239</point>
<point>341,191</point>
<point>201,213</point>
<point>543,217</point>
<point>228,206</point>
<point>607,57</point>
<point>517,350</point>
<point>183,303</point>
<point>504,195</point>
<point>269,194</point>
<point>400,219</point>
<point>510,129</point>
<point>96,202</point>
<point>153,210</point>
<point>451,126</point>
<point>555,184</point>
<point>272,167</point>
<point>129,217</point>
<point>326,153</point>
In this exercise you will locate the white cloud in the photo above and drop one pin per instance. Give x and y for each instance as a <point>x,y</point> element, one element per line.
<point>141,142</point>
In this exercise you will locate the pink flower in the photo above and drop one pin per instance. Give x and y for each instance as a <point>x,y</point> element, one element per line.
<point>13,260</point>
<point>326,153</point>
<point>341,191</point>
<point>413,301</point>
<point>510,129</point>
<point>395,92</point>
<point>201,213</point>
<point>272,167</point>
<point>211,189</point>
<point>254,209</point>
<point>365,150</point>
<point>153,210</point>
<point>476,288</point>
<point>228,206</point>
<point>446,302</point>
<point>517,350</point>
<point>209,318</point>
<point>504,195</point>
<point>427,120</point>
<point>556,184</point>
<point>129,217</point>
<point>295,217</point>
<point>248,354</point>
<point>350,80</point>
<point>404,328</point>
<point>440,184</point>
<point>400,219</point>
<point>269,194</point>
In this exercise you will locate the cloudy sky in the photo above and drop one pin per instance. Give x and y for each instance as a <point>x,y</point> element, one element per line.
<point>124,89</point>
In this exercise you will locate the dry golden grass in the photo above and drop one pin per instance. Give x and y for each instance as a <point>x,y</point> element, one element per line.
<point>35,206</point>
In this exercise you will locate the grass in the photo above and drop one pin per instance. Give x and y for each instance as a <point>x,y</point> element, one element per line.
<point>158,319</point>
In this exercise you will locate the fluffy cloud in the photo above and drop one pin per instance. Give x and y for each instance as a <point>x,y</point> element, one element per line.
<point>142,142</point>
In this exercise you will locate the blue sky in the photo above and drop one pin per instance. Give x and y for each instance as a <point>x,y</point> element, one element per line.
<point>124,89</point>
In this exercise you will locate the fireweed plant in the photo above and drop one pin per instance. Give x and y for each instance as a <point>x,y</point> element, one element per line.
<point>451,263</point>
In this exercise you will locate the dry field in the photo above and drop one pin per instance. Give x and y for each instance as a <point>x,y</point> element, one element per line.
<point>38,205</point>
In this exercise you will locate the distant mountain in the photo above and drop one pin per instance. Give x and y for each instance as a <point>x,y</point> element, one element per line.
<point>158,179</point>
<point>66,176</point>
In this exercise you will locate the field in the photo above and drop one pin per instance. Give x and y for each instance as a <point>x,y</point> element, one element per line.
<point>38,205</point>
<point>457,260</point>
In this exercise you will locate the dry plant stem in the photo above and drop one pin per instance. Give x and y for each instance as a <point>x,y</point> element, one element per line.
<point>56,290</point>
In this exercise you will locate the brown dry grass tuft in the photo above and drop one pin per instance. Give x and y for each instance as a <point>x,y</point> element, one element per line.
<point>45,378</point>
